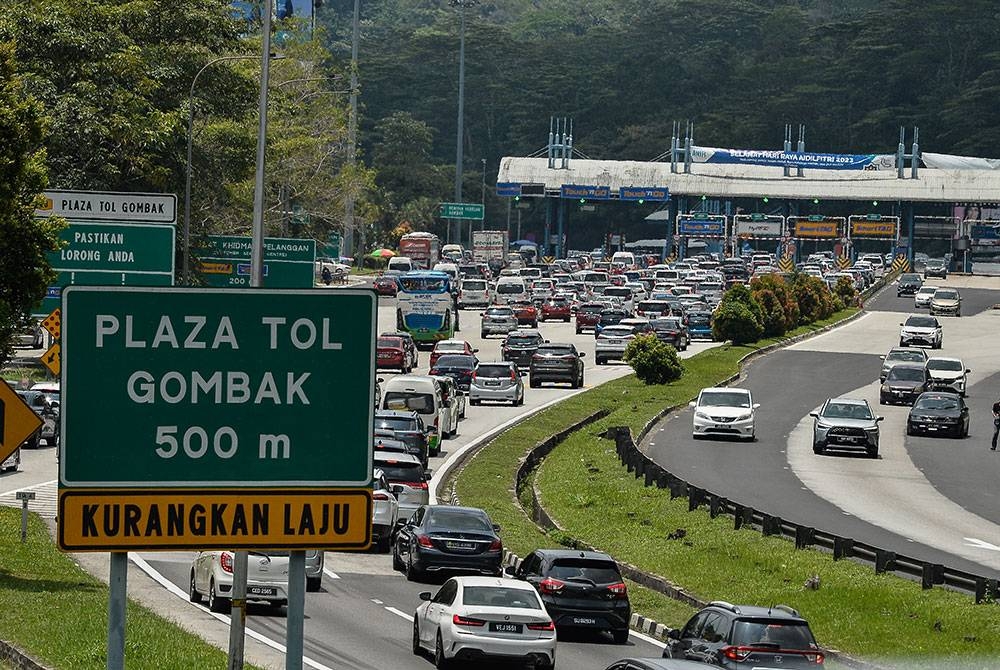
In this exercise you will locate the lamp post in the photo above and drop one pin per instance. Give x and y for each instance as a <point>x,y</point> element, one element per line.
<point>461,4</point>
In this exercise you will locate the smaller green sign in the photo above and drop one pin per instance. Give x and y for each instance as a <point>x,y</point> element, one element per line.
<point>461,210</point>
<point>224,261</point>
<point>874,217</point>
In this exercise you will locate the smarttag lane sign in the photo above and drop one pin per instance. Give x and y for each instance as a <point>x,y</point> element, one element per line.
<point>217,394</point>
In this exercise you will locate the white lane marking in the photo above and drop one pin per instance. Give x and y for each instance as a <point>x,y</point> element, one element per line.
<point>377,601</point>
<point>980,544</point>
<point>400,613</point>
<point>177,591</point>
<point>645,638</point>
<point>30,487</point>
<point>330,573</point>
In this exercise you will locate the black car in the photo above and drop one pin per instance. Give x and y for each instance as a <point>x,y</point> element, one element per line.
<point>936,267</point>
<point>520,345</point>
<point>609,317</point>
<point>457,366</point>
<point>745,636</point>
<point>903,384</point>
<point>936,412</point>
<point>445,538</point>
<point>407,427</point>
<point>556,363</point>
<point>580,590</point>
<point>908,284</point>
<point>671,330</point>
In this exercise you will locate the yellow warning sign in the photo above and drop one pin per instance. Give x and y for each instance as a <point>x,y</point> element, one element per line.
<point>843,262</point>
<point>901,264</point>
<point>161,520</point>
<point>548,259</point>
<point>17,421</point>
<point>53,323</point>
<point>50,359</point>
<point>786,264</point>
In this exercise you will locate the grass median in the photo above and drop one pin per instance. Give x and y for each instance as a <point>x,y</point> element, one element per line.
<point>56,612</point>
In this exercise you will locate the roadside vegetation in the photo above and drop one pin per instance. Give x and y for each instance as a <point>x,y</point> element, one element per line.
<point>57,613</point>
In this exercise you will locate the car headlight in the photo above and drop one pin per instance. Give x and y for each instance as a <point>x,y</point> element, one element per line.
<point>702,415</point>
<point>744,417</point>
<point>871,429</point>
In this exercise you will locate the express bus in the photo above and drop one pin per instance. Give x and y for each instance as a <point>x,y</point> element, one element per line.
<point>425,307</point>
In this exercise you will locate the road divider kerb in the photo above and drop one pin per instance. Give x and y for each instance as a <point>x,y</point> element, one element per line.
<point>18,659</point>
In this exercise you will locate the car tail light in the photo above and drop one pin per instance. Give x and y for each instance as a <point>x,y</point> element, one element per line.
<point>463,621</point>
<point>513,375</point>
<point>815,657</point>
<point>496,545</point>
<point>618,590</point>
<point>548,625</point>
<point>424,541</point>
<point>736,653</point>
<point>226,562</point>
<point>379,496</point>
<point>550,585</point>
<point>415,485</point>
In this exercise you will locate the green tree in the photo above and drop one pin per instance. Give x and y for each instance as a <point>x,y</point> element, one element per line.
<point>735,322</point>
<point>654,362</point>
<point>25,273</point>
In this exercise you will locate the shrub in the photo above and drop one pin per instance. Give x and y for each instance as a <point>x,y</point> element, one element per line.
<point>739,293</point>
<point>814,298</point>
<point>654,362</point>
<point>777,285</point>
<point>844,289</point>
<point>773,312</point>
<point>734,321</point>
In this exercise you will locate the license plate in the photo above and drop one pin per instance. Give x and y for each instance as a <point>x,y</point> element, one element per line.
<point>262,591</point>
<point>584,621</point>
<point>460,545</point>
<point>505,627</point>
<point>849,440</point>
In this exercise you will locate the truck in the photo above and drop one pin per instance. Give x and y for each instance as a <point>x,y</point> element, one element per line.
<point>424,249</point>
<point>490,246</point>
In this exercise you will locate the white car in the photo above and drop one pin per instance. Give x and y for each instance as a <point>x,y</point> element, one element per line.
<point>477,618</point>
<point>919,329</point>
<point>212,576</point>
<point>725,412</point>
<point>474,292</point>
<point>922,298</point>
<point>385,511</point>
<point>947,374</point>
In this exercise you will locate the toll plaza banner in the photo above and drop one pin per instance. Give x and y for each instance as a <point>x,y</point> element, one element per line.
<point>817,229</point>
<point>794,159</point>
<point>873,228</point>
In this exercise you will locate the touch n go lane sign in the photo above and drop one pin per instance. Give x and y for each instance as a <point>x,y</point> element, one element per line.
<point>208,418</point>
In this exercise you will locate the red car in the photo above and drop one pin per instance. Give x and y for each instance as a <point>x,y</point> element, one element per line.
<point>443,347</point>
<point>556,308</point>
<point>386,286</point>
<point>391,352</point>
<point>588,315</point>
<point>525,313</point>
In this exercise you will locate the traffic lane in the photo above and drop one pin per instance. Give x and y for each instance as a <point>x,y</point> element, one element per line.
<point>38,466</point>
<point>974,300</point>
<point>965,470</point>
<point>759,474</point>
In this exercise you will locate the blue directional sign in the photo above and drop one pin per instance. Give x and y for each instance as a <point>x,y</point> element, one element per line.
<point>980,232</point>
<point>585,192</point>
<point>654,194</point>
<point>508,189</point>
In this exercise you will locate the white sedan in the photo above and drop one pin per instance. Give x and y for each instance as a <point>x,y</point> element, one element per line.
<point>475,618</point>
<point>212,576</point>
<point>725,412</point>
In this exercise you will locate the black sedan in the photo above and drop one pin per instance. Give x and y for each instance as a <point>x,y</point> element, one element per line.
<point>444,538</point>
<point>903,384</point>
<point>520,346</point>
<point>457,366</point>
<point>936,412</point>
<point>556,363</point>
<point>908,284</point>
<point>671,330</point>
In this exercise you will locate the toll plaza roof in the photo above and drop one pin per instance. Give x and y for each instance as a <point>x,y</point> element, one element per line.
<point>755,181</point>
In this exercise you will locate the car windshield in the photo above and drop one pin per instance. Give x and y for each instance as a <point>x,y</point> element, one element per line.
<point>401,471</point>
<point>946,295</point>
<point>785,634</point>
<point>909,279</point>
<point>422,403</point>
<point>493,371</point>
<point>500,596</point>
<point>458,520</point>
<point>846,410</point>
<point>921,322</point>
<point>390,342</point>
<point>453,361</point>
<point>595,571</point>
<point>915,356</point>
<point>904,373</point>
<point>944,364</point>
<point>936,402</point>
<point>724,399</point>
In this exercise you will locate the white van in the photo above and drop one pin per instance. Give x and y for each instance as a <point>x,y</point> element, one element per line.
<point>625,257</point>
<point>450,269</point>
<point>509,289</point>
<point>420,394</point>
<point>475,292</point>
<point>400,264</point>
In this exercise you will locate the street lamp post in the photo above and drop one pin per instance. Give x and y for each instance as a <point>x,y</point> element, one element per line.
<point>462,5</point>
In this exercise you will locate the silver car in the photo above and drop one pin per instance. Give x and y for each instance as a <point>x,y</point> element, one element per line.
<point>499,381</point>
<point>947,301</point>
<point>898,355</point>
<point>846,423</point>
<point>385,511</point>
<point>498,321</point>
<point>611,343</point>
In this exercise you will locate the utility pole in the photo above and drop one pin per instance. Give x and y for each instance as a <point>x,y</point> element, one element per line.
<point>352,132</point>
<point>462,4</point>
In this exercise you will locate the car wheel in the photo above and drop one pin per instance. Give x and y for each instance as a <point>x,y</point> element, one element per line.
<point>440,662</point>
<point>313,584</point>
<point>415,644</point>
<point>412,574</point>
<point>578,331</point>
<point>534,383</point>
<point>520,399</point>
<point>397,564</point>
<point>215,603</point>
<point>620,636</point>
<point>482,334</point>
<point>881,400</point>
<point>909,429</point>
<point>599,361</point>
<point>902,343</point>
<point>566,320</point>
<point>193,594</point>
<point>872,452</point>
<point>474,403</point>
<point>819,449</point>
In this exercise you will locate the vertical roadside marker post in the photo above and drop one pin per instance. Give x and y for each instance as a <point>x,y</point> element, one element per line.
<point>24,497</point>
<point>116,610</point>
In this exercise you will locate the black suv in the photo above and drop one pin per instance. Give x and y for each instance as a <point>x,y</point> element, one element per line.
<point>580,589</point>
<point>556,363</point>
<point>745,636</point>
<point>520,345</point>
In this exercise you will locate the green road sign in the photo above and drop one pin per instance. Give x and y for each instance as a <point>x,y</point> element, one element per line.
<point>224,261</point>
<point>191,387</point>
<point>110,254</point>
<point>461,210</point>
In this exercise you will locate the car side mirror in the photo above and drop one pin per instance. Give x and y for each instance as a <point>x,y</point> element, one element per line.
<point>428,473</point>
<point>756,405</point>
<point>879,418</point>
<point>814,415</point>
<point>396,489</point>
<point>901,324</point>
<point>583,354</point>
<point>425,595</point>
<point>380,380</point>
<point>692,404</point>
<point>475,351</point>
<point>546,341</point>
<point>510,571</point>
<point>967,370</point>
<point>674,634</point>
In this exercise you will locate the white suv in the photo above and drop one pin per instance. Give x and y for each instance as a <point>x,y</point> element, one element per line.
<point>726,412</point>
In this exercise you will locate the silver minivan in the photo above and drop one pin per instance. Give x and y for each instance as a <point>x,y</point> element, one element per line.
<point>407,480</point>
<point>497,381</point>
<point>474,292</point>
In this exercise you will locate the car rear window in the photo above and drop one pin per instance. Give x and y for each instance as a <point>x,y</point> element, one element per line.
<point>493,371</point>
<point>555,350</point>
<point>585,569</point>
<point>423,403</point>
<point>786,634</point>
<point>500,596</point>
<point>396,424</point>
<point>458,520</point>
<point>401,471</point>
<point>590,309</point>
<point>393,342</point>
<point>454,361</point>
<point>506,311</point>
<point>510,288</point>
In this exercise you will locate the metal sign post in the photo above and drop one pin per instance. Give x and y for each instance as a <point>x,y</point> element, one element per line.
<point>24,497</point>
<point>117,587</point>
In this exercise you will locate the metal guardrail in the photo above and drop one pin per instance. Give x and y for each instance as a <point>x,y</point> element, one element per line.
<point>983,588</point>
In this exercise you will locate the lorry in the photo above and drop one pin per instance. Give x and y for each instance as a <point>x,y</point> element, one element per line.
<point>423,249</point>
<point>490,246</point>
